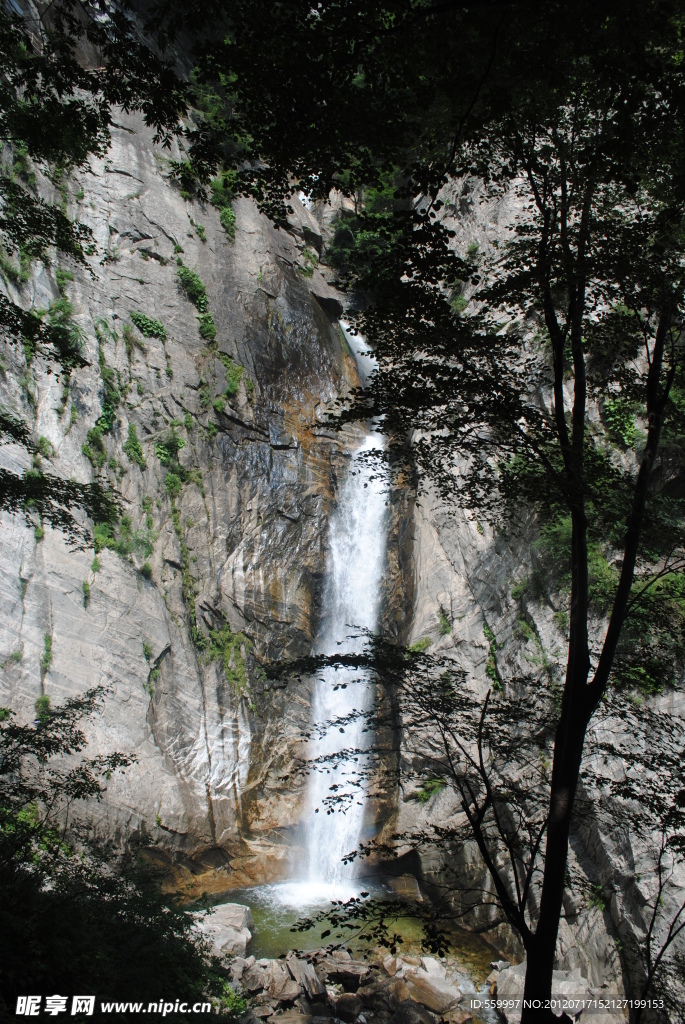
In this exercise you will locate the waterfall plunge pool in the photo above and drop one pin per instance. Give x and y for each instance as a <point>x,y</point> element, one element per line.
<point>277,907</point>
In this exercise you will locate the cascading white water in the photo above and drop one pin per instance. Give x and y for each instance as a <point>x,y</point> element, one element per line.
<point>351,602</point>
<point>351,596</point>
<point>351,599</point>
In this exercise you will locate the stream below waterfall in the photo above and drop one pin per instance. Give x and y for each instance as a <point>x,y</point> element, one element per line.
<point>276,909</point>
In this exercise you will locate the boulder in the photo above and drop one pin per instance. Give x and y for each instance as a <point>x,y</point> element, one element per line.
<point>385,994</point>
<point>304,974</point>
<point>255,978</point>
<point>457,1015</point>
<point>565,985</point>
<point>435,993</point>
<point>433,967</point>
<point>239,965</point>
<point>390,965</point>
<point>295,1017</point>
<point>263,1006</point>
<point>280,985</point>
<point>348,1006</point>
<point>348,972</point>
<point>227,926</point>
<point>509,985</point>
<point>397,992</point>
<point>291,1017</point>
<point>410,1012</point>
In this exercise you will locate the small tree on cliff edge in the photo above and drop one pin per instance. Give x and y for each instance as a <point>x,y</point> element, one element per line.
<point>504,362</point>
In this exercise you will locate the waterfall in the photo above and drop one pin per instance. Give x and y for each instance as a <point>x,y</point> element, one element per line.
<point>351,599</point>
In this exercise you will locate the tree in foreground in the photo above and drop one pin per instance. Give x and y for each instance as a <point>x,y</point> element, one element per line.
<point>490,757</point>
<point>547,371</point>
<point>76,915</point>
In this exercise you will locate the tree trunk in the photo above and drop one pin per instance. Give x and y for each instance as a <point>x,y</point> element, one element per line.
<point>541,949</point>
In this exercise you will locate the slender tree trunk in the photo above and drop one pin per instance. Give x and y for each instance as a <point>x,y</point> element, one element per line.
<point>541,949</point>
<point>580,700</point>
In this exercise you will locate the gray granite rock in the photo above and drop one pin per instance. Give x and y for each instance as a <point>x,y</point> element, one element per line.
<point>570,990</point>
<point>433,992</point>
<point>305,975</point>
<point>347,1007</point>
<point>227,927</point>
<point>247,533</point>
<point>280,985</point>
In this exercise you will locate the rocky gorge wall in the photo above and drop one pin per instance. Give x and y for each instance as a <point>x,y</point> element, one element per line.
<point>230,542</point>
<point>468,570</point>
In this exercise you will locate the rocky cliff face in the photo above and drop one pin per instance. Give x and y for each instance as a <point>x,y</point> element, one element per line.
<point>467,571</point>
<point>227,476</point>
<point>226,479</point>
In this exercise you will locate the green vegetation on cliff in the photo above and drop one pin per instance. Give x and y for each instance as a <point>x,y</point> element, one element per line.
<point>147,326</point>
<point>94,449</point>
<point>196,292</point>
<point>132,447</point>
<point>55,113</point>
<point>230,649</point>
<point>118,535</point>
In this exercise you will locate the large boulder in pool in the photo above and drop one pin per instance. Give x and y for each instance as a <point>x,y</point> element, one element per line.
<point>227,926</point>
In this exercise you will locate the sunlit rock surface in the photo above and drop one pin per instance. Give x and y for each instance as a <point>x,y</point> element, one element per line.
<point>251,525</point>
<point>227,927</point>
